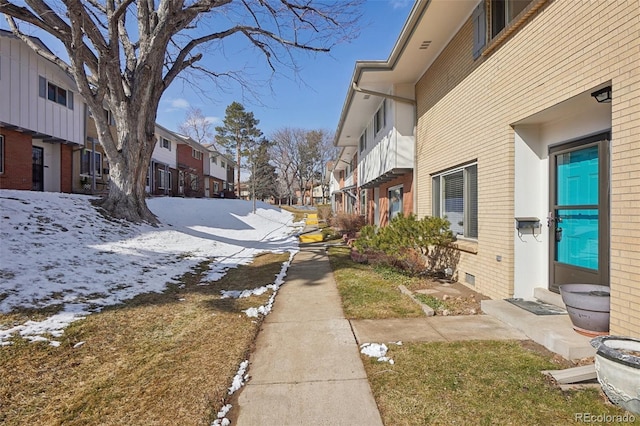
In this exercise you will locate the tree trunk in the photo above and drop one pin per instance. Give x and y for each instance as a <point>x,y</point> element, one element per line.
<point>129,167</point>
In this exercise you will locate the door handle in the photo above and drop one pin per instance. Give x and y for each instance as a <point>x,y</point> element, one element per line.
<point>558,235</point>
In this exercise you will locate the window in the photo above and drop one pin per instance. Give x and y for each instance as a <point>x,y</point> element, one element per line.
<point>380,119</point>
<point>493,17</point>
<point>363,141</point>
<point>196,154</point>
<point>395,201</point>
<point>109,116</point>
<point>363,201</point>
<point>54,93</point>
<point>455,197</point>
<point>164,179</point>
<point>214,160</point>
<point>223,164</point>
<point>1,154</point>
<point>216,187</point>
<point>503,12</point>
<point>194,181</point>
<point>85,162</point>
<point>165,143</point>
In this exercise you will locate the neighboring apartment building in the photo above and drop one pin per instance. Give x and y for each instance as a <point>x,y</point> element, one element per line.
<point>527,139</point>
<point>376,133</point>
<point>162,178</point>
<point>190,157</point>
<point>217,171</point>
<point>42,120</point>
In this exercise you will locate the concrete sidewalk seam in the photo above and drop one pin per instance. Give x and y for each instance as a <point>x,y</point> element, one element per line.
<point>354,379</point>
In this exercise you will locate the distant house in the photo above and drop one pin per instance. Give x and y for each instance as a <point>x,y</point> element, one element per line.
<point>162,178</point>
<point>42,119</point>
<point>190,158</point>
<point>217,171</point>
<point>526,139</point>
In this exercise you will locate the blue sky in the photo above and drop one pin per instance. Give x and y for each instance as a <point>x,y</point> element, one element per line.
<point>316,101</point>
<point>309,99</point>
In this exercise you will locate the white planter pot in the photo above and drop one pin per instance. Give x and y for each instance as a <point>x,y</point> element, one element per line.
<point>618,370</point>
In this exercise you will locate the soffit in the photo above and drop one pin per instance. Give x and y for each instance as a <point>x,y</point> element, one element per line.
<point>428,29</point>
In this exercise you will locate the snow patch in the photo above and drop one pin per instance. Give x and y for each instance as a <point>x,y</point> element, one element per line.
<point>376,350</point>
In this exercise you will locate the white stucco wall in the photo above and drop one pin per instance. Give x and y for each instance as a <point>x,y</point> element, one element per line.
<point>560,124</point>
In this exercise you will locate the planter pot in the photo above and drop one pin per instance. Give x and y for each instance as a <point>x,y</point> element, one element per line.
<point>618,370</point>
<point>588,307</point>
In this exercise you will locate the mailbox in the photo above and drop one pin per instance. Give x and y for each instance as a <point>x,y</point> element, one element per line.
<point>527,225</point>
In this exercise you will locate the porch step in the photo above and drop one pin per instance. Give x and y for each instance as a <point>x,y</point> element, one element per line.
<point>546,296</point>
<point>554,332</point>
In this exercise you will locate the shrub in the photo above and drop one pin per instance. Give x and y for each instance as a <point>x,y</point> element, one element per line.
<point>411,243</point>
<point>348,223</point>
<point>324,211</point>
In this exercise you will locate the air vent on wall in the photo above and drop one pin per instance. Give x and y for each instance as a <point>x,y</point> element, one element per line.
<point>367,96</point>
<point>425,44</point>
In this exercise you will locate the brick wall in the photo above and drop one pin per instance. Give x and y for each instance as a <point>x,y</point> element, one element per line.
<point>17,161</point>
<point>194,165</point>
<point>465,112</point>
<point>66,169</point>
<point>406,181</point>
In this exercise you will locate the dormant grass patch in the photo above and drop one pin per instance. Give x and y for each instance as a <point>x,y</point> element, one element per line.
<point>161,358</point>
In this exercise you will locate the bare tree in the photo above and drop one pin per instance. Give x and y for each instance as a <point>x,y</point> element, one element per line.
<point>197,127</point>
<point>285,155</point>
<point>126,66</point>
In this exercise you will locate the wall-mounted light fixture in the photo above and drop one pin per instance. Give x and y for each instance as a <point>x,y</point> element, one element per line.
<point>603,95</point>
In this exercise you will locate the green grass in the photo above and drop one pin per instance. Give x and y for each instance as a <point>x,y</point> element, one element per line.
<point>475,383</point>
<point>433,302</point>
<point>367,294</point>
<point>463,383</point>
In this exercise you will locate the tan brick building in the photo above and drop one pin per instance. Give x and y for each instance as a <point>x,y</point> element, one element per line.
<point>508,127</point>
<point>527,138</point>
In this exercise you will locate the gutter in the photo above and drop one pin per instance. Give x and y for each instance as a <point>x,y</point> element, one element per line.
<point>357,88</point>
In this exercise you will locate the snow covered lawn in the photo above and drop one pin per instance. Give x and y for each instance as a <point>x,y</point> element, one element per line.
<point>57,250</point>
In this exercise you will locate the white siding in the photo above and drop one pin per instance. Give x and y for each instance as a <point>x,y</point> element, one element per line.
<point>164,155</point>
<point>20,104</point>
<point>393,148</point>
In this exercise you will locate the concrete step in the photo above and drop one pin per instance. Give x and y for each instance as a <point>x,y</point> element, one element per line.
<point>555,332</point>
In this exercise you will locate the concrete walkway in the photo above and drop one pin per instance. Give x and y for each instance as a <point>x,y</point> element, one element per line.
<point>306,367</point>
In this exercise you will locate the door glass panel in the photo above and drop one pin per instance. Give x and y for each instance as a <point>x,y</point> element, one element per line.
<point>577,238</point>
<point>577,177</point>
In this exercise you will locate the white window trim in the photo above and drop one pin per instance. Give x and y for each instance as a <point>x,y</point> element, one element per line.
<point>393,188</point>
<point>92,161</point>
<point>165,141</point>
<point>465,198</point>
<point>43,92</point>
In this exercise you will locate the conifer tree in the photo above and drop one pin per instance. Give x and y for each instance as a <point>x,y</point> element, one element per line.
<point>238,134</point>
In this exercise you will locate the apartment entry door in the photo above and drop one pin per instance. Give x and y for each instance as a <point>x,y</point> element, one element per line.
<point>37,157</point>
<point>579,220</point>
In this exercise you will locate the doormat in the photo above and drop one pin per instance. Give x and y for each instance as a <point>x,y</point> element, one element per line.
<point>536,307</point>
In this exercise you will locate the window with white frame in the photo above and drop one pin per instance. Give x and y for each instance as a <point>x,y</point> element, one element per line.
<point>1,154</point>
<point>86,157</point>
<point>363,141</point>
<point>363,201</point>
<point>455,197</point>
<point>223,164</point>
<point>214,160</point>
<point>395,195</point>
<point>193,181</point>
<point>196,154</point>
<point>380,119</point>
<point>216,186</point>
<point>165,143</point>
<point>54,93</point>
